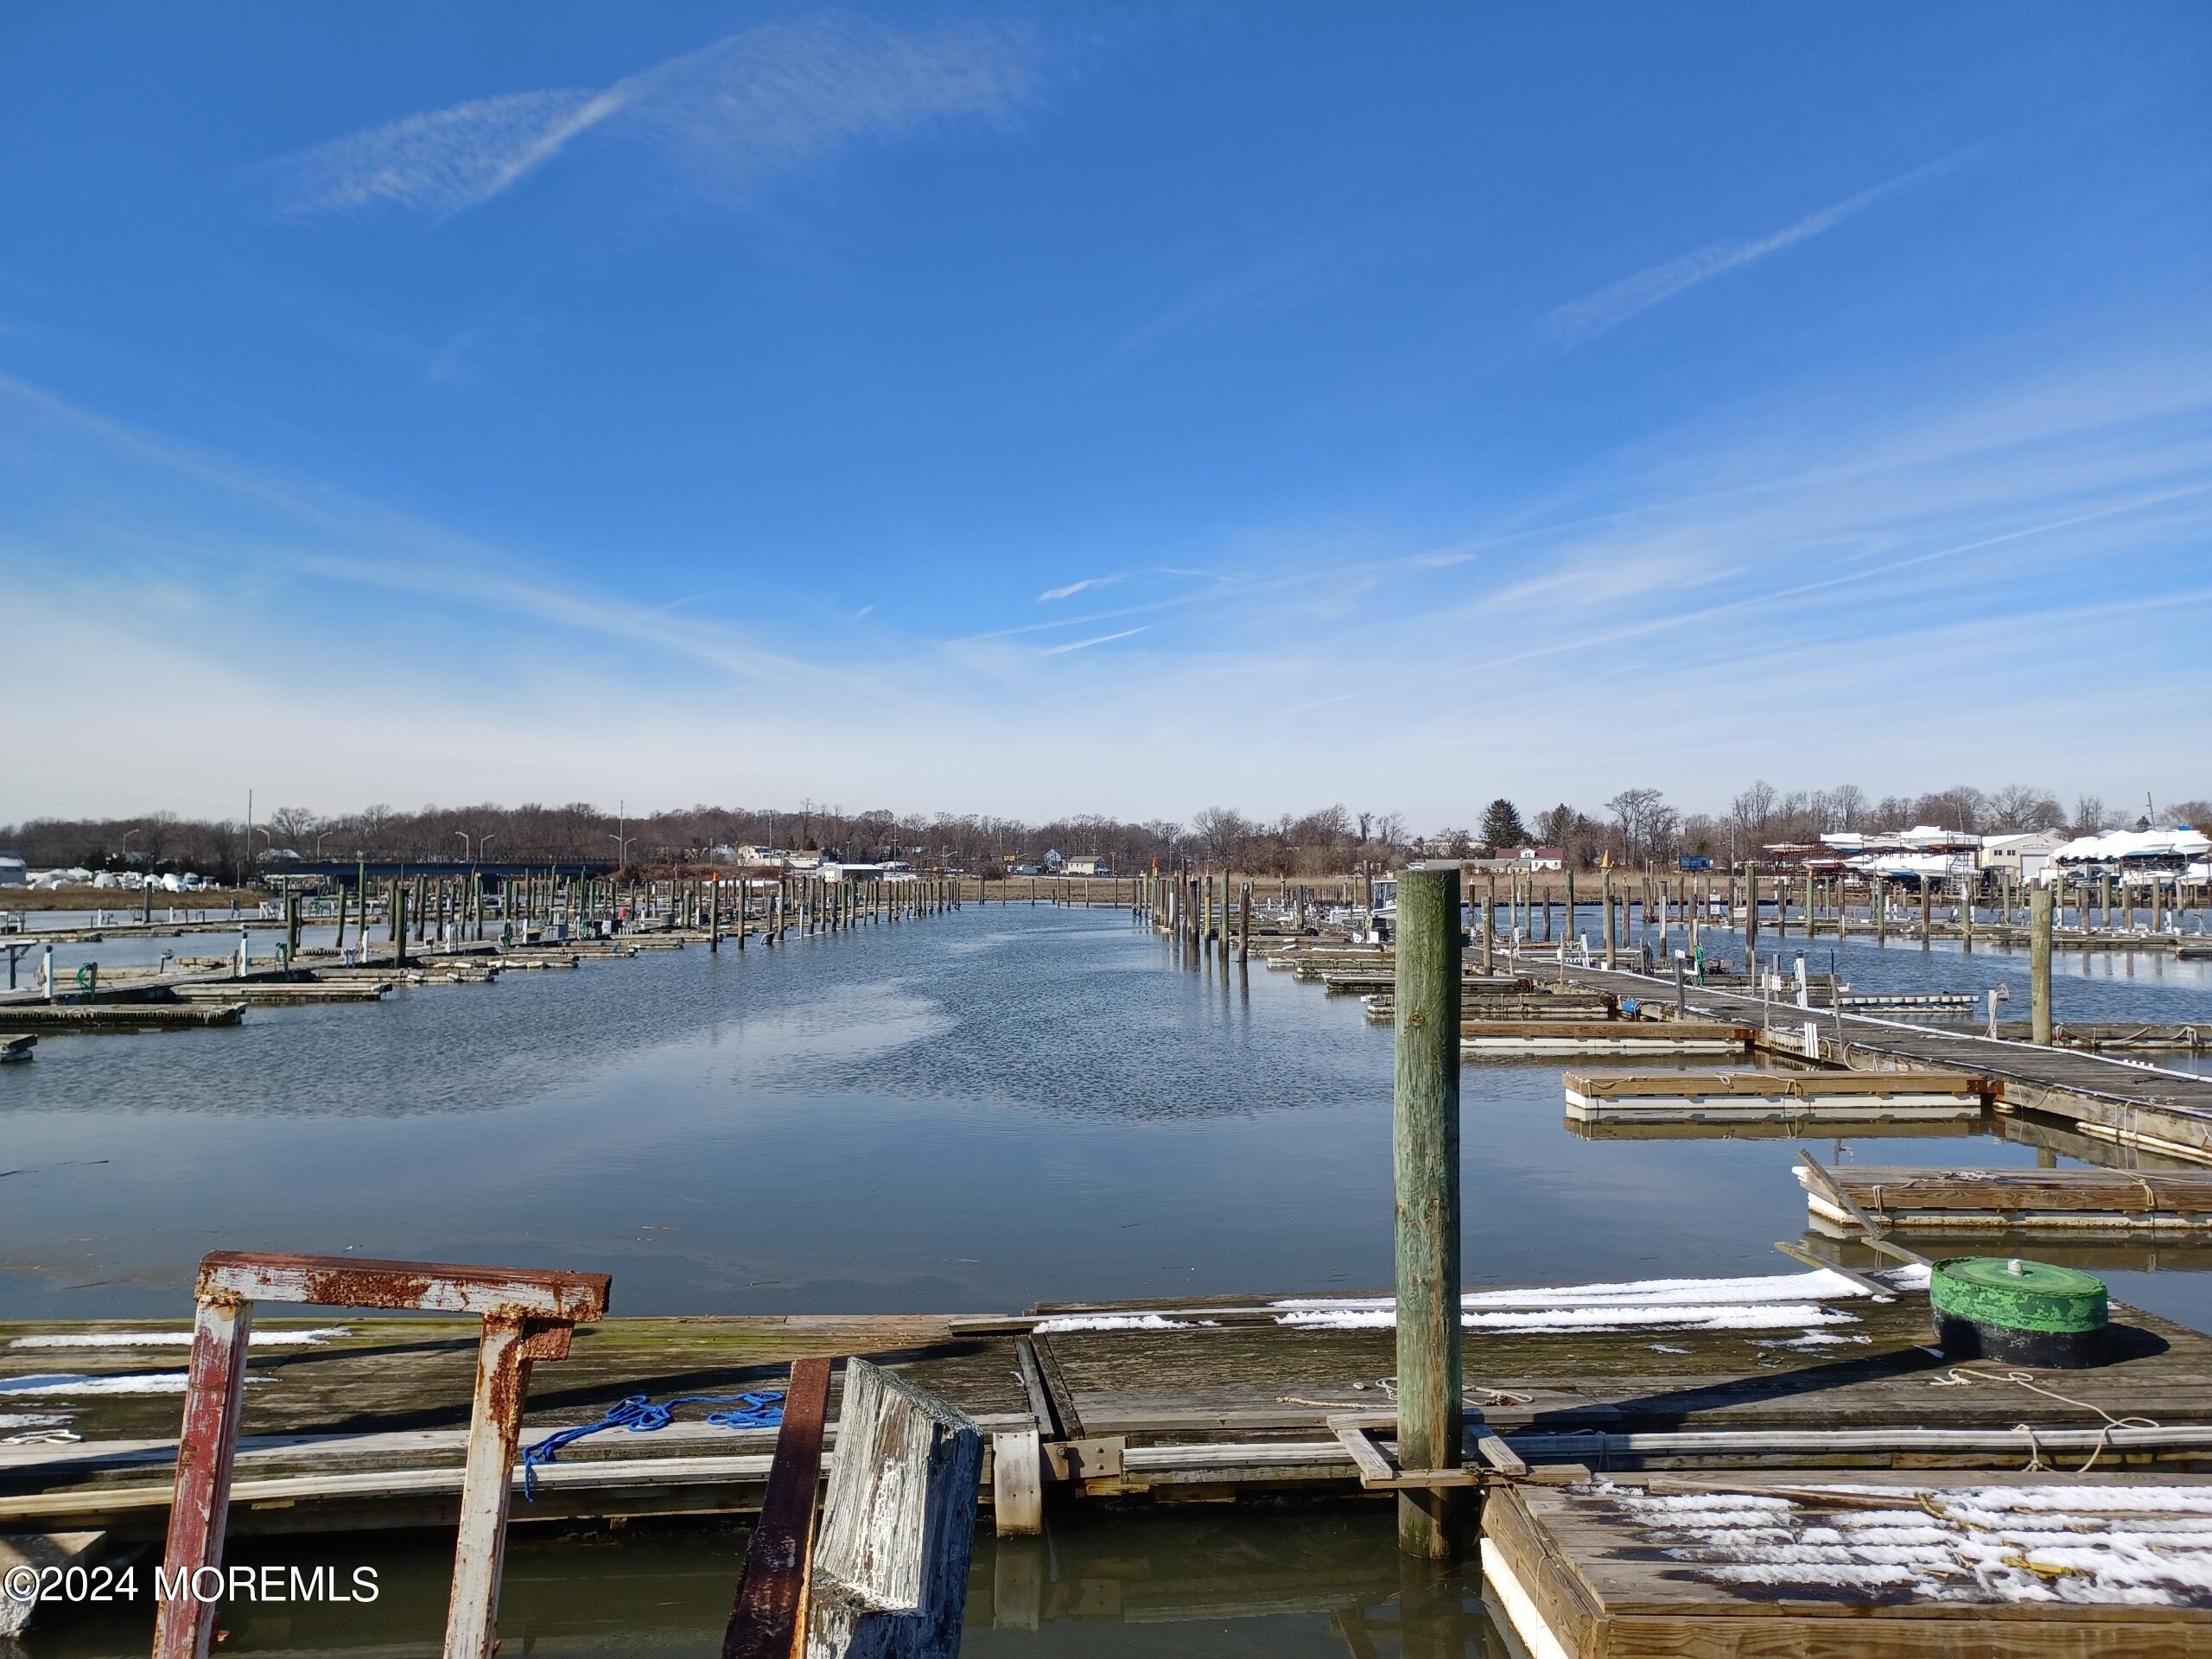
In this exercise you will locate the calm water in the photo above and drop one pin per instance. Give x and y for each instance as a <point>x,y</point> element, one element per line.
<point>1286,1586</point>
<point>971,1113</point>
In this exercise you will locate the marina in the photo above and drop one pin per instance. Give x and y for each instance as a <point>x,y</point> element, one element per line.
<point>1136,1404</point>
<point>1220,832</point>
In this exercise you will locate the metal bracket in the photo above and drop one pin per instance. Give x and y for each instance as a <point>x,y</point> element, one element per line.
<point>1094,1460</point>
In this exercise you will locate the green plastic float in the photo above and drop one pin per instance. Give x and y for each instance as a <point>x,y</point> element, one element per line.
<point>2020,1312</point>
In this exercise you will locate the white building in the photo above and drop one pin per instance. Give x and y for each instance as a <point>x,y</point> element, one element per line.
<point>2024,856</point>
<point>14,873</point>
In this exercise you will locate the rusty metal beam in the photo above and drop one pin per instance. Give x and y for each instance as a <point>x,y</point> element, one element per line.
<point>206,1448</point>
<point>433,1286</point>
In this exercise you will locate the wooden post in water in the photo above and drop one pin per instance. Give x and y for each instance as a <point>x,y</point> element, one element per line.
<point>1750,911</point>
<point>1811,926</point>
<point>1966,912</point>
<point>1566,933</point>
<point>1425,1165</point>
<point>398,925</point>
<point>1489,924</point>
<point>1926,900</point>
<point>1605,903</point>
<point>2040,908</point>
<point>1244,924</point>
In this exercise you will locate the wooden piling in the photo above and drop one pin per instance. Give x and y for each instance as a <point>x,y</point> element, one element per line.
<point>1751,910</point>
<point>2040,909</point>
<point>1424,1162</point>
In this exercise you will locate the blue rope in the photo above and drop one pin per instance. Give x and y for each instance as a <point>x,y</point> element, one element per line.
<point>760,1408</point>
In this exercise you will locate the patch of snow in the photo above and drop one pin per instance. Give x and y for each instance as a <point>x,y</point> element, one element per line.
<point>1116,1322</point>
<point>78,1383</point>
<point>2137,1546</point>
<point>1665,1316</point>
<point>1818,1286</point>
<point>32,1419</point>
<point>178,1338</point>
<point>1810,1339</point>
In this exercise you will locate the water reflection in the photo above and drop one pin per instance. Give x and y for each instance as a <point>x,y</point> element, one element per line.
<point>972,1113</point>
<point>1325,1583</point>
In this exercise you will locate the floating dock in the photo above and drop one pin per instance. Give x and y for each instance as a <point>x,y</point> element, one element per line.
<point>1631,1037</point>
<point>1933,1566</point>
<point>1796,1097</point>
<point>359,1422</point>
<point>54,1019</point>
<point>2025,1201</point>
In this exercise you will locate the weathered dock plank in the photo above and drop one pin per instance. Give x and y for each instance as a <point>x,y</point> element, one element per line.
<point>365,1425</point>
<point>1922,1566</point>
<point>2015,1201</point>
<point>1811,1097</point>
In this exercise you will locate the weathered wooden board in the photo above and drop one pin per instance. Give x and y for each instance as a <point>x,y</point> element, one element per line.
<point>1751,1564</point>
<point>371,1421</point>
<point>2018,1200</point>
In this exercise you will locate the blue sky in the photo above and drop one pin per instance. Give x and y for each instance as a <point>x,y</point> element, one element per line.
<point>1047,409</point>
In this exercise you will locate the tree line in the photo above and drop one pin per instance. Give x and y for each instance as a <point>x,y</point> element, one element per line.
<point>1331,840</point>
<point>1631,827</point>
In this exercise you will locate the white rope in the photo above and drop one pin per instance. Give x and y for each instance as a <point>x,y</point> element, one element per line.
<point>1962,1376</point>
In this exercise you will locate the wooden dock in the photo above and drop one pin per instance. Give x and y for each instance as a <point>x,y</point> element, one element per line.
<point>1929,1566</point>
<point>362,1425</point>
<point>1592,1037</point>
<point>2110,1099</point>
<point>2038,1202</point>
<point>1795,1097</point>
<point>57,1019</point>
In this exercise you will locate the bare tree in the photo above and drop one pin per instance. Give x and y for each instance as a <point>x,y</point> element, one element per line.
<point>1642,816</point>
<point>2018,807</point>
<point>1753,811</point>
<point>1960,807</point>
<point>1223,833</point>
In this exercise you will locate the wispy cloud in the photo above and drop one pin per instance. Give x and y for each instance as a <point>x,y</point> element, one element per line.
<point>736,114</point>
<point>1075,587</point>
<point>1085,645</point>
<point>1615,303</point>
<point>1245,296</point>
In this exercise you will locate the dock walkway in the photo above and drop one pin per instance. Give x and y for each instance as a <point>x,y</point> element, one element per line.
<point>359,1423</point>
<point>2110,1098</point>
